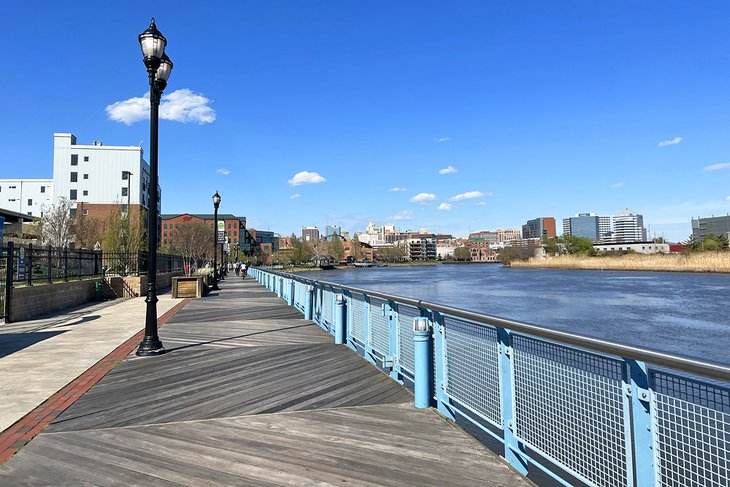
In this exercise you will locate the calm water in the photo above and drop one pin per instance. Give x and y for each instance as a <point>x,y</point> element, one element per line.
<point>683,313</point>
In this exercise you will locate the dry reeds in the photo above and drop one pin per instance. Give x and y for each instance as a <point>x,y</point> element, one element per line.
<point>684,262</point>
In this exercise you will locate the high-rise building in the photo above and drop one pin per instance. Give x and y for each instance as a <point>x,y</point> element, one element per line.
<point>719,225</point>
<point>310,234</point>
<point>628,226</point>
<point>332,230</point>
<point>539,228</point>
<point>587,225</point>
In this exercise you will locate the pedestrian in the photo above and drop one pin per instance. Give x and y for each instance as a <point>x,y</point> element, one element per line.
<point>237,268</point>
<point>245,270</point>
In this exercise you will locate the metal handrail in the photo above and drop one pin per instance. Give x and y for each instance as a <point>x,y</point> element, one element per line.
<point>687,364</point>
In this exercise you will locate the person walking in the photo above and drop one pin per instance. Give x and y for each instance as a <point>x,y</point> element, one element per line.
<point>245,269</point>
<point>237,268</point>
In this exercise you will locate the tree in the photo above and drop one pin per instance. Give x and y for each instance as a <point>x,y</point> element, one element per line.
<point>553,246</point>
<point>192,241</point>
<point>462,253</point>
<point>336,248</point>
<point>356,251</point>
<point>392,254</point>
<point>709,242</point>
<point>88,231</point>
<point>301,250</point>
<point>281,257</point>
<point>578,245</point>
<point>57,224</point>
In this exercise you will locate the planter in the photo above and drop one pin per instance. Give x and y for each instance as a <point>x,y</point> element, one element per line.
<point>187,287</point>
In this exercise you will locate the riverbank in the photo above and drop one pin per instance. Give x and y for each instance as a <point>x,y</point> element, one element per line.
<point>685,262</point>
<point>295,270</point>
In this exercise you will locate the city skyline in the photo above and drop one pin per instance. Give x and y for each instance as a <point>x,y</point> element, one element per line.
<point>456,119</point>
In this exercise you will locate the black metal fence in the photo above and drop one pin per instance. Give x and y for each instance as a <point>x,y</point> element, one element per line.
<point>33,265</point>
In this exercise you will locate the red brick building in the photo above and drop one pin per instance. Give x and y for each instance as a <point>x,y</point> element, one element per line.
<point>235,226</point>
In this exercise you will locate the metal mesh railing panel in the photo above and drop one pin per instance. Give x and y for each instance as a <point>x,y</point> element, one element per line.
<point>379,326</point>
<point>692,431</point>
<point>328,303</point>
<point>472,367</point>
<point>317,311</point>
<point>405,336</point>
<point>569,407</point>
<point>356,307</point>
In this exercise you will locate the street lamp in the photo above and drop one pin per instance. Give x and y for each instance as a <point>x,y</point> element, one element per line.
<point>159,67</point>
<point>216,203</point>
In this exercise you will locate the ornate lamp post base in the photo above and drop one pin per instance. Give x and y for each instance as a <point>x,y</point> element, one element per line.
<point>150,346</point>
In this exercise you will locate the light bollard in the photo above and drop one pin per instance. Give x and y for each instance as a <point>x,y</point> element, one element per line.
<point>422,362</point>
<point>340,319</point>
<point>290,301</point>
<point>309,302</point>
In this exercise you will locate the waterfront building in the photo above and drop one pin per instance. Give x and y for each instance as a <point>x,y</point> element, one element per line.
<point>267,241</point>
<point>421,247</point>
<point>481,250</point>
<point>379,236</point>
<point>628,226</point>
<point>310,234</point>
<point>718,225</point>
<point>539,228</point>
<point>27,196</point>
<point>508,234</point>
<point>484,236</point>
<point>638,247</point>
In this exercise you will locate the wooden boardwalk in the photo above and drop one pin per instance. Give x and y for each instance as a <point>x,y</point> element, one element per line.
<point>250,393</point>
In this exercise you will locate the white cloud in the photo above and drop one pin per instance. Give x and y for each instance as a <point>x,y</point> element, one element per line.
<point>446,206</point>
<point>448,170</point>
<point>442,139</point>
<point>717,167</point>
<point>727,198</point>
<point>481,203</point>
<point>294,196</point>
<point>673,141</point>
<point>617,185</point>
<point>401,215</point>
<point>179,106</point>
<point>306,177</point>
<point>469,195</point>
<point>423,197</point>
<point>397,190</point>
<point>223,172</point>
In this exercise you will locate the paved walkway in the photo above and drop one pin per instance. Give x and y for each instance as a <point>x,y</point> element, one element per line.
<point>250,393</point>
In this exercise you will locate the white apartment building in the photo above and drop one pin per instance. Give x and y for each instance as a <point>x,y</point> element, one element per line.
<point>379,235</point>
<point>27,196</point>
<point>508,234</point>
<point>99,174</point>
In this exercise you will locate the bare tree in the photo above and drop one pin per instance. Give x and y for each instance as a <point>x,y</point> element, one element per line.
<point>88,231</point>
<point>57,224</point>
<point>192,241</point>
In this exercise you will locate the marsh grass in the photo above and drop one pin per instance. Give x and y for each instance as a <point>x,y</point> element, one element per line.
<point>684,262</point>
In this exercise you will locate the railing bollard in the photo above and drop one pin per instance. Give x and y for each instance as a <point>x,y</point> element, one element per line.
<point>280,292</point>
<point>290,301</point>
<point>309,302</point>
<point>422,362</point>
<point>340,319</point>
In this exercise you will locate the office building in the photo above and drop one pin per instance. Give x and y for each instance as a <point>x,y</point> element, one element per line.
<point>628,226</point>
<point>718,225</point>
<point>332,230</point>
<point>587,225</point>
<point>310,234</point>
<point>543,227</point>
<point>508,234</point>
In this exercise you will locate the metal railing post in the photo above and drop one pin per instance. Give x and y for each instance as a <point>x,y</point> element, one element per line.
<point>513,449</point>
<point>309,302</point>
<point>280,291</point>
<point>49,263</point>
<point>9,281</point>
<point>291,292</point>
<point>340,318</point>
<point>422,362</point>
<point>29,265</point>
<point>641,447</point>
<point>65,264</point>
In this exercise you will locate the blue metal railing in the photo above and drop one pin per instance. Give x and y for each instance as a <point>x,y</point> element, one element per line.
<point>578,408</point>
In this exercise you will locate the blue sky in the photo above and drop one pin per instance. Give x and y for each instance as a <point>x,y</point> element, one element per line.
<point>539,108</point>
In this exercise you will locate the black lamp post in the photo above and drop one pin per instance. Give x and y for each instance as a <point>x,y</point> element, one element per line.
<point>216,203</point>
<point>159,67</point>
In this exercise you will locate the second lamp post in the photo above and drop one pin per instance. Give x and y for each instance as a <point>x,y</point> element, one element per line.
<point>216,203</point>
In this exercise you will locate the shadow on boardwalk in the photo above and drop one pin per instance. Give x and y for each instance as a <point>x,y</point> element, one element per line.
<point>251,394</point>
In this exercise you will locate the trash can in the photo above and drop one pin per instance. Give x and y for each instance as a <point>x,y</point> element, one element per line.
<point>99,291</point>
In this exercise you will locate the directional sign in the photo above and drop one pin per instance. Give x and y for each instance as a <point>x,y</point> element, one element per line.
<point>21,263</point>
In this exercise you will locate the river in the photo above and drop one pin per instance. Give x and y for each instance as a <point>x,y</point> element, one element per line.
<point>683,313</point>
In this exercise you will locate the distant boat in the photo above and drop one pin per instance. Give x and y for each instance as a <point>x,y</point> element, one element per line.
<point>326,267</point>
<point>363,264</point>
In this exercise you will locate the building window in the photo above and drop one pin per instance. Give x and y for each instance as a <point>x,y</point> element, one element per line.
<point>30,202</point>
<point>43,189</point>
<point>74,177</point>
<point>86,176</point>
<point>85,211</point>
<point>74,159</point>
<point>73,194</point>
<point>125,175</point>
<point>86,158</point>
<point>85,193</point>
<point>30,213</point>
<point>12,187</point>
<point>165,227</point>
<point>124,192</point>
<point>72,212</point>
